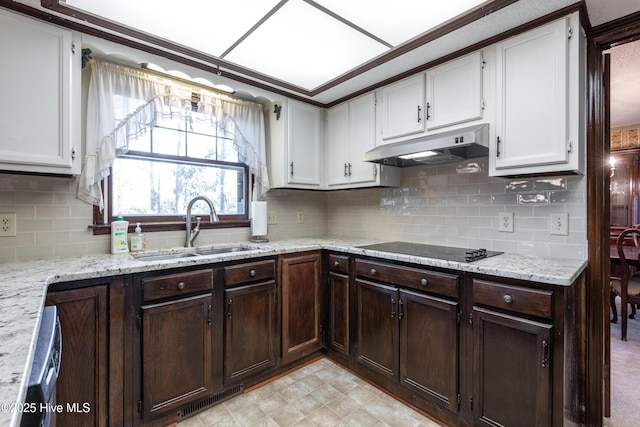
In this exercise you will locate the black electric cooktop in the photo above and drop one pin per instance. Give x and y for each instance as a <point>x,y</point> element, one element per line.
<point>432,251</point>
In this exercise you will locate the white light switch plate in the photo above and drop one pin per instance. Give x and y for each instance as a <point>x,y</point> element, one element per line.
<point>560,223</point>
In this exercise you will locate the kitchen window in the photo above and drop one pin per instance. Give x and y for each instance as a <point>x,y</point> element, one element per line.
<point>154,144</point>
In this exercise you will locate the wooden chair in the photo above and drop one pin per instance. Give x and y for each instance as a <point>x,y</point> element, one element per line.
<point>628,285</point>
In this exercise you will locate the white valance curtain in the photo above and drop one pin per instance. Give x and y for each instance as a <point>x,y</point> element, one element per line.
<point>123,103</point>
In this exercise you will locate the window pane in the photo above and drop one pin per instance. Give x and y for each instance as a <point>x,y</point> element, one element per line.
<point>168,141</point>
<point>202,146</point>
<point>151,187</point>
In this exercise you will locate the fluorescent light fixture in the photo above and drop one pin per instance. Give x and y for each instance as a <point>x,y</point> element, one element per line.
<point>420,155</point>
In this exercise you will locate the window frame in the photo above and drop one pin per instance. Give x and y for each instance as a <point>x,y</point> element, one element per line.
<point>153,223</point>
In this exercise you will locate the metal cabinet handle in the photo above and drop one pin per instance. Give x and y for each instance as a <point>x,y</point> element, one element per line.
<point>209,315</point>
<point>349,169</point>
<point>419,110</point>
<point>424,282</point>
<point>393,307</point>
<point>498,146</point>
<point>373,271</point>
<point>428,108</point>
<point>345,169</point>
<point>291,168</point>
<point>181,285</point>
<point>545,354</point>
<point>229,308</point>
<point>400,312</point>
<point>252,273</point>
<point>507,298</point>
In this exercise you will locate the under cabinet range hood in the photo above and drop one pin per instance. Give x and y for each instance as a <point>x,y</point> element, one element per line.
<point>440,148</point>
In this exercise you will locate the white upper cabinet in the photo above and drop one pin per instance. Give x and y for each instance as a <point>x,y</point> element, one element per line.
<point>539,113</point>
<point>351,133</point>
<point>40,89</point>
<point>402,109</point>
<point>296,137</point>
<point>454,92</point>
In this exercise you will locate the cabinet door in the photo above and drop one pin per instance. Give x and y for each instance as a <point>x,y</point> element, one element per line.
<point>532,97</point>
<point>176,353</point>
<point>362,138</point>
<point>337,144</point>
<point>301,305</point>
<point>454,92</point>
<point>377,327</point>
<point>304,144</point>
<point>512,370</point>
<point>339,312</point>
<point>83,371</point>
<point>403,108</point>
<point>429,347</point>
<point>40,126</point>
<point>249,330</point>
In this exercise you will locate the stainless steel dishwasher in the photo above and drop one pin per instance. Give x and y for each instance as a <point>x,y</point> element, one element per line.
<point>40,401</point>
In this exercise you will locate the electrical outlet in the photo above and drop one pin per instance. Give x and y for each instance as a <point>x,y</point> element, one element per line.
<point>7,224</point>
<point>560,224</point>
<point>272,217</point>
<point>300,217</point>
<point>505,222</point>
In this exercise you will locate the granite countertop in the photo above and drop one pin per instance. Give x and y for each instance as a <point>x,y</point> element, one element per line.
<point>25,285</point>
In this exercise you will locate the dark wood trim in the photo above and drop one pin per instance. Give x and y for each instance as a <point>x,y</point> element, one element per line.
<point>172,226</point>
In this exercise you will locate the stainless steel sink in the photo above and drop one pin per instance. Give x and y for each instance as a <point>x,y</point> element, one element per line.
<point>221,250</point>
<point>161,257</point>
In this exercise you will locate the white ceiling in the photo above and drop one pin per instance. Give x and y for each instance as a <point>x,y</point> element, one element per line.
<point>318,41</point>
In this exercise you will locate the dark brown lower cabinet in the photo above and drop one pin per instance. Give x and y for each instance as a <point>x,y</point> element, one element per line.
<point>249,330</point>
<point>301,304</point>
<point>83,372</point>
<point>338,312</point>
<point>176,353</point>
<point>411,338</point>
<point>512,372</point>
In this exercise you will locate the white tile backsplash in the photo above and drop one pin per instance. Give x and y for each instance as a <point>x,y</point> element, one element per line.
<point>433,205</point>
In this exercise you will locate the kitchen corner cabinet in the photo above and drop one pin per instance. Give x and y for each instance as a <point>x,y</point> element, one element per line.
<point>40,83</point>
<point>407,328</point>
<point>512,354</point>
<point>338,303</point>
<point>176,328</point>
<point>539,117</point>
<point>402,109</point>
<point>351,133</point>
<point>301,304</point>
<point>83,377</point>
<point>295,146</point>
<point>249,320</point>
<point>454,92</point>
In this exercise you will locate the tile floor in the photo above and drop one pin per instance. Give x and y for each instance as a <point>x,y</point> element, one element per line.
<point>319,394</point>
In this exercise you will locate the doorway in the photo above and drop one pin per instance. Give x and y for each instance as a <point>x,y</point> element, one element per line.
<point>624,124</point>
<point>596,307</point>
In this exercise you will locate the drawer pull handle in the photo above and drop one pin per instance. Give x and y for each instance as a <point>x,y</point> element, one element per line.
<point>252,273</point>
<point>424,282</point>
<point>336,264</point>
<point>181,285</point>
<point>373,271</point>
<point>507,298</point>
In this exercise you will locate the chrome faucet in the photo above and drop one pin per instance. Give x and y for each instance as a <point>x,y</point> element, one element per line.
<point>192,234</point>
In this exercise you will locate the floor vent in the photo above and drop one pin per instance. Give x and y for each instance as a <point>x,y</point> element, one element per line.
<point>205,403</point>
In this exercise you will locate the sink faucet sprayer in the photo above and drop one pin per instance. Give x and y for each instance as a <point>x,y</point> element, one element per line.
<point>192,234</point>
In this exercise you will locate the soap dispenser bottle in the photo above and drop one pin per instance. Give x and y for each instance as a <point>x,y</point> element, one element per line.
<point>119,229</point>
<point>138,241</point>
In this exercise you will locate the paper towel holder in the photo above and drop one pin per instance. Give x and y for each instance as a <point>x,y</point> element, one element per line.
<point>259,222</point>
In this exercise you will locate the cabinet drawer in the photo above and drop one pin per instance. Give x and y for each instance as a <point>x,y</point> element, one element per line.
<point>534,302</point>
<point>249,272</point>
<point>424,280</point>
<point>339,263</point>
<point>177,284</point>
